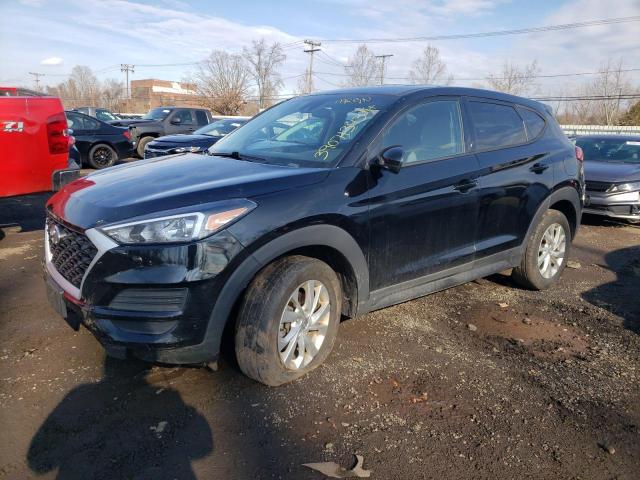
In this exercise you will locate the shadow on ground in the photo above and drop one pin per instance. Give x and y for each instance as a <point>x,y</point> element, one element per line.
<point>23,211</point>
<point>620,296</point>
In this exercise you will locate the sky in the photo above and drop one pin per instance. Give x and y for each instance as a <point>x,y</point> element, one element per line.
<point>50,37</point>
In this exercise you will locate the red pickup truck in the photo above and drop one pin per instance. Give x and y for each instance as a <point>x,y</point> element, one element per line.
<point>34,142</point>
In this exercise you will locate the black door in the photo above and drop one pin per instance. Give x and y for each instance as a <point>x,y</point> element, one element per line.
<point>516,172</point>
<point>82,132</point>
<point>181,121</point>
<point>422,219</point>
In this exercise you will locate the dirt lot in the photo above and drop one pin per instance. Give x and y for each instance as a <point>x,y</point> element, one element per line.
<point>480,381</point>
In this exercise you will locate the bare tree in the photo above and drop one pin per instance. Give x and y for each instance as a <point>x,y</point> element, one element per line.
<point>429,68</point>
<point>222,80</point>
<point>112,93</point>
<point>514,79</point>
<point>305,83</point>
<point>81,88</point>
<point>362,68</point>
<point>263,61</point>
<point>610,83</point>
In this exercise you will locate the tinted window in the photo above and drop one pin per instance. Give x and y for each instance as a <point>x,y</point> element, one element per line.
<point>496,125</point>
<point>201,117</point>
<point>610,149</point>
<point>428,131</point>
<point>184,116</point>
<point>75,121</point>
<point>533,122</point>
<point>157,114</point>
<point>91,124</point>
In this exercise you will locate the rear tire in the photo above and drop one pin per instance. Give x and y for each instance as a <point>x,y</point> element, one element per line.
<point>102,156</point>
<point>546,253</point>
<point>291,298</point>
<point>141,144</point>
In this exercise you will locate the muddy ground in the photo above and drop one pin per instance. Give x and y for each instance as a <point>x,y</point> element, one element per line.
<point>485,380</point>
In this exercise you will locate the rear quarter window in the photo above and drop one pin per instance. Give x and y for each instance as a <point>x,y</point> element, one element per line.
<point>533,122</point>
<point>496,125</point>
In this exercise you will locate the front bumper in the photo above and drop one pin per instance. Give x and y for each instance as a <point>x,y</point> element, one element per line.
<point>151,302</point>
<point>618,205</point>
<point>60,178</point>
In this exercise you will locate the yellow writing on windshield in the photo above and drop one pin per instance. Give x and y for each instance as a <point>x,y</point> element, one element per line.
<point>346,131</point>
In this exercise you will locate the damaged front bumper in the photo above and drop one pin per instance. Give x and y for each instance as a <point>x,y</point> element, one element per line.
<point>624,206</point>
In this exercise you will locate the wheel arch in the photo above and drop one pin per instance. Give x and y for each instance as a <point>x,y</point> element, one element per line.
<point>328,243</point>
<point>566,200</point>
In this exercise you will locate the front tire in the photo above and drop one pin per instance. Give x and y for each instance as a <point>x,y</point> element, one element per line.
<point>288,320</point>
<point>102,156</point>
<point>141,144</point>
<point>546,252</point>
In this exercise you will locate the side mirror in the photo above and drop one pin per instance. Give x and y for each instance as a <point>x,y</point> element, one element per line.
<point>176,121</point>
<point>392,158</point>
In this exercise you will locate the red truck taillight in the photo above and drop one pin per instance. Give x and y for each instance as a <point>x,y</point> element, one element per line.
<point>57,133</point>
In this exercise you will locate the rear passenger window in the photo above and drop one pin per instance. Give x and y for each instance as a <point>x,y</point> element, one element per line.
<point>201,118</point>
<point>496,125</point>
<point>532,121</point>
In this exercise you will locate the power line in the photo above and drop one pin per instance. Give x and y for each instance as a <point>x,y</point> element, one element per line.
<point>36,79</point>
<point>554,75</point>
<point>497,33</point>
<point>126,68</point>
<point>382,59</point>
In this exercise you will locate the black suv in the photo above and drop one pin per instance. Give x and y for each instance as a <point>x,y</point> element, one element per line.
<point>165,121</point>
<point>329,204</point>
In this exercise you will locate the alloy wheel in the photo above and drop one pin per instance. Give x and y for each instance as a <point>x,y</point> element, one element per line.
<point>551,251</point>
<point>102,156</point>
<point>303,325</point>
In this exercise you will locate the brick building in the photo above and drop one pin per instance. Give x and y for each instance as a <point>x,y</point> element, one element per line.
<point>150,93</point>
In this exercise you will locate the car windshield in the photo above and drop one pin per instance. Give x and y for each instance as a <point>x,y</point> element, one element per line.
<point>307,131</point>
<point>157,114</point>
<point>105,115</point>
<point>220,128</point>
<point>610,149</point>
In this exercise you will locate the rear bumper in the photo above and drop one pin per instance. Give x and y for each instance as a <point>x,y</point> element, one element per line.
<point>60,178</point>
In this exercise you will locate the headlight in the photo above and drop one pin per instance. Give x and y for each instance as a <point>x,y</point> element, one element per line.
<point>186,149</point>
<point>178,228</point>
<point>624,187</point>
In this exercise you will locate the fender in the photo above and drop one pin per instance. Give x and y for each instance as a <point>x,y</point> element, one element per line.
<point>563,193</point>
<point>324,235</point>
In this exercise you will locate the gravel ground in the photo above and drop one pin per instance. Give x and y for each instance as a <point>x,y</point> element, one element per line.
<point>484,380</point>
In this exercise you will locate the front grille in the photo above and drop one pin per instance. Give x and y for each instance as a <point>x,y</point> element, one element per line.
<point>153,152</point>
<point>71,252</point>
<point>598,186</point>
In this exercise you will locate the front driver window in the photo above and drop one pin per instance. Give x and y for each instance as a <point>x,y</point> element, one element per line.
<point>427,132</point>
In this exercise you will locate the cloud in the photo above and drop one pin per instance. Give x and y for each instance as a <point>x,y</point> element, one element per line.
<point>51,61</point>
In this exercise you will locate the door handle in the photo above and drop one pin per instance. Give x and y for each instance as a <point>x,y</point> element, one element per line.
<point>539,167</point>
<point>465,185</point>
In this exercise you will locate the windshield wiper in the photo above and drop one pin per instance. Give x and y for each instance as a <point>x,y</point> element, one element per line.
<point>236,156</point>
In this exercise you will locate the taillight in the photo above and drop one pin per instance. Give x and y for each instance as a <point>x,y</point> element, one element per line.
<point>579,154</point>
<point>127,134</point>
<point>57,133</point>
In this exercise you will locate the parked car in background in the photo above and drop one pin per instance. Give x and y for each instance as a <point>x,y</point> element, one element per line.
<point>35,145</point>
<point>99,113</point>
<point>197,142</point>
<point>371,197</point>
<point>612,173</point>
<point>100,144</point>
<point>167,121</point>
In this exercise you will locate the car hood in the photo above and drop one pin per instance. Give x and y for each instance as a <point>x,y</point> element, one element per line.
<point>185,140</point>
<point>611,172</point>
<point>125,122</point>
<point>160,184</point>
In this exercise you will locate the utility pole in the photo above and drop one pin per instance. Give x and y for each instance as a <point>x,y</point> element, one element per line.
<point>313,47</point>
<point>36,79</point>
<point>383,58</point>
<point>126,68</point>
